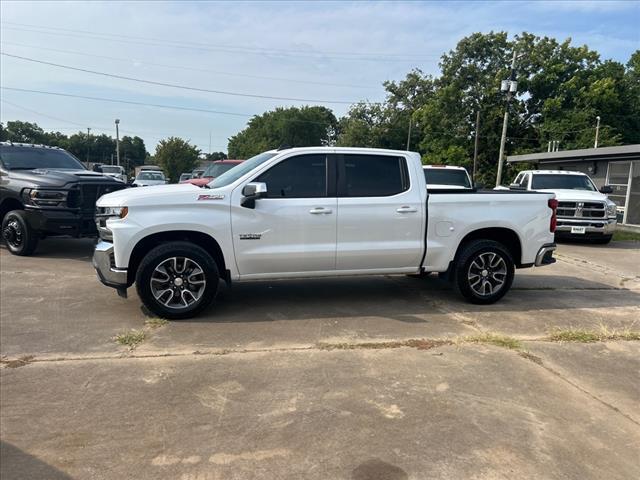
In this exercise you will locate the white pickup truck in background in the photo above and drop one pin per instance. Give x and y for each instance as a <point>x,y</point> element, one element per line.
<point>443,177</point>
<point>583,211</point>
<point>310,212</point>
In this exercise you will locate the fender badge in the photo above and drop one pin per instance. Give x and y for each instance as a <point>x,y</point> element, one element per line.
<point>250,236</point>
<point>217,196</point>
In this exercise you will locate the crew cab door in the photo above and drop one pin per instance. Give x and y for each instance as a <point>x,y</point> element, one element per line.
<point>380,214</point>
<point>293,229</point>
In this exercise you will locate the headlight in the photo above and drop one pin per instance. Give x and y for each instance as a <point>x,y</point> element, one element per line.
<point>112,212</point>
<point>46,198</point>
<point>612,209</point>
<point>105,213</point>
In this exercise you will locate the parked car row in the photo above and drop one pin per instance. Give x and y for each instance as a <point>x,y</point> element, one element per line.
<point>45,191</point>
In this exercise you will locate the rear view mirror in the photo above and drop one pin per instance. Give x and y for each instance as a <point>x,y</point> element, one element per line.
<point>251,192</point>
<point>606,189</point>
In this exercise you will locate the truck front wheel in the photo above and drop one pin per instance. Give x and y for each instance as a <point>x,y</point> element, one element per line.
<point>20,238</point>
<point>484,271</point>
<point>177,280</point>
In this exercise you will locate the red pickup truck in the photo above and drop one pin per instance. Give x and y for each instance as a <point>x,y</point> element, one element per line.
<point>214,170</point>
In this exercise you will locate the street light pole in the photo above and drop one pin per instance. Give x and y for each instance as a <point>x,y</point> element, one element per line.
<point>117,142</point>
<point>595,144</point>
<point>88,144</point>
<point>510,87</point>
<point>475,148</point>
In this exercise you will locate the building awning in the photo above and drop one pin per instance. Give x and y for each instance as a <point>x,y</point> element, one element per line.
<point>623,152</point>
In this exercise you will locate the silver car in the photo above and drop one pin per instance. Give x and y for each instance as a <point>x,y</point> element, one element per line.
<point>148,178</point>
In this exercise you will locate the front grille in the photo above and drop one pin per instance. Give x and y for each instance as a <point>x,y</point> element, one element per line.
<point>89,193</point>
<point>581,209</point>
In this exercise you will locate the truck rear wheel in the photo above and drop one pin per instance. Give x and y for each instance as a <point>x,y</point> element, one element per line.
<point>177,280</point>
<point>484,271</point>
<point>20,238</point>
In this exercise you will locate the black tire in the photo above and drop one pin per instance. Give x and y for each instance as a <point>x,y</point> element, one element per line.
<point>158,257</point>
<point>20,238</point>
<point>602,240</point>
<point>499,269</point>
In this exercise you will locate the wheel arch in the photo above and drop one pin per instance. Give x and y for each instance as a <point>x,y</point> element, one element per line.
<point>204,240</point>
<point>505,236</point>
<point>9,204</point>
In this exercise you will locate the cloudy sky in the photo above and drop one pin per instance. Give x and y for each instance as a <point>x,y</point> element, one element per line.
<point>329,53</point>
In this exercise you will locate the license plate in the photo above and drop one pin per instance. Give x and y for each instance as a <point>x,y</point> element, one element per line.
<point>579,230</point>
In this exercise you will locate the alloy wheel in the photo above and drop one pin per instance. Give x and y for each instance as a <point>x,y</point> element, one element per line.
<point>487,273</point>
<point>178,282</point>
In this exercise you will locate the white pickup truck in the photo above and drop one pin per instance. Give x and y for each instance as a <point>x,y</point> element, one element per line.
<point>311,212</point>
<point>583,211</point>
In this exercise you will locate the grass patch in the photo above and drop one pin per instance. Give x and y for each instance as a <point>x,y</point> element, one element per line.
<point>494,339</point>
<point>155,322</point>
<point>18,362</point>
<point>589,336</point>
<point>621,235</point>
<point>130,339</point>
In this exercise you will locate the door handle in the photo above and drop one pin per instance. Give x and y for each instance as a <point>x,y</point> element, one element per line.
<point>320,211</point>
<point>406,209</point>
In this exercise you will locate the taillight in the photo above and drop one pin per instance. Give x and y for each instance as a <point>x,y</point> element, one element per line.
<point>553,205</point>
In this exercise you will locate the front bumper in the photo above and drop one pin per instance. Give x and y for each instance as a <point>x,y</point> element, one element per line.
<point>604,226</point>
<point>62,222</point>
<point>105,267</point>
<point>545,255</point>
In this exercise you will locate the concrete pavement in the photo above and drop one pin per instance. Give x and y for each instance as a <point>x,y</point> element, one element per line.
<point>293,379</point>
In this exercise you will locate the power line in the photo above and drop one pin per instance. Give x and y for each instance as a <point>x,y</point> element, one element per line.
<point>181,67</point>
<point>173,85</point>
<point>243,47</point>
<point>156,105</point>
<point>230,49</point>
<point>129,102</point>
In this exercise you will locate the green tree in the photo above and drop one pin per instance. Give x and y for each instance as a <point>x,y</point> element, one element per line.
<point>133,152</point>
<point>387,125</point>
<point>295,127</point>
<point>175,156</point>
<point>562,89</point>
<point>23,132</point>
<point>216,156</point>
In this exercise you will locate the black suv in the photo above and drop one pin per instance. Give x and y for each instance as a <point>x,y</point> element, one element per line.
<point>46,191</point>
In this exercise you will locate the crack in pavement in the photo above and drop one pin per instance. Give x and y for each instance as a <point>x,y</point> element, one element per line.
<point>540,362</point>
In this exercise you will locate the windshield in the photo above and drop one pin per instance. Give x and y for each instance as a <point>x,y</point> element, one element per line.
<point>562,182</point>
<point>111,169</point>
<point>216,169</point>
<point>159,176</point>
<point>30,158</point>
<point>232,175</point>
<point>446,176</point>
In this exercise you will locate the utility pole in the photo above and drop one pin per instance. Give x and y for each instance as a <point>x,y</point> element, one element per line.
<point>409,133</point>
<point>88,144</point>
<point>595,144</point>
<point>209,142</point>
<point>510,87</point>
<point>475,147</point>
<point>117,142</point>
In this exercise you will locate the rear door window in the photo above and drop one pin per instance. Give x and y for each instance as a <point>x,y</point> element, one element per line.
<point>372,175</point>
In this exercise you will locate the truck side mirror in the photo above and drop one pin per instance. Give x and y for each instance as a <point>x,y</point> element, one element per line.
<point>251,192</point>
<point>516,186</point>
<point>606,189</point>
